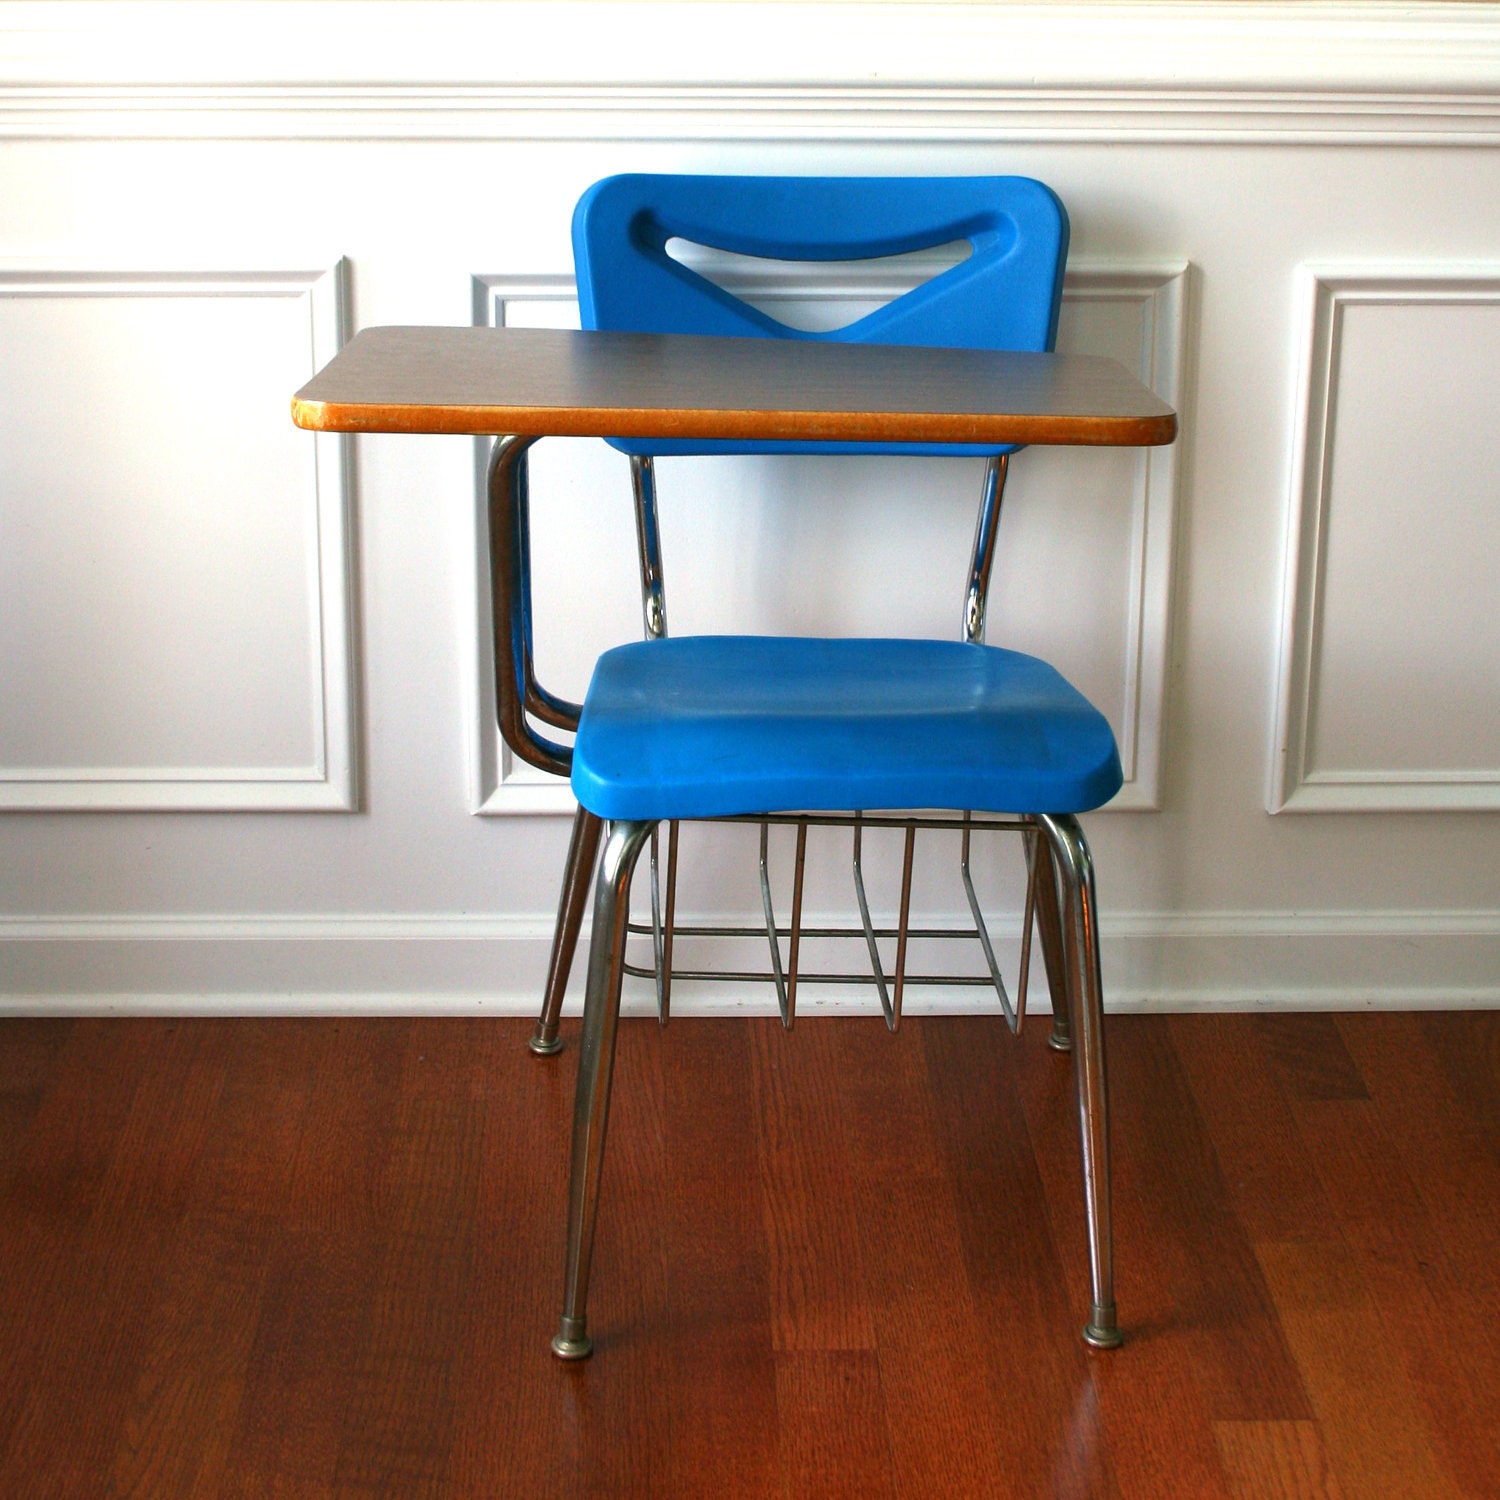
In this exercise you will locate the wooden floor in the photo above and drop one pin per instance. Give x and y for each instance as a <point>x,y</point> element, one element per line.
<point>309,1258</point>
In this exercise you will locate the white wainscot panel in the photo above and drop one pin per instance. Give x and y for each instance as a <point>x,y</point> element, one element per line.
<point>1389,685</point>
<point>857,546</point>
<point>174,554</point>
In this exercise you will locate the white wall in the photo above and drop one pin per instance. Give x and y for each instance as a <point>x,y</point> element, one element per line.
<point>245,759</point>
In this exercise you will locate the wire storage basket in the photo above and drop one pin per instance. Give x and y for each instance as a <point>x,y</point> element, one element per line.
<point>663,931</point>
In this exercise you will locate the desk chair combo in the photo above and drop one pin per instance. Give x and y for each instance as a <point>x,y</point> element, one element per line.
<point>804,731</point>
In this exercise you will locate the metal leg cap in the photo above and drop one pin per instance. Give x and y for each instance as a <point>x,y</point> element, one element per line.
<point>579,1348</point>
<point>544,1045</point>
<point>1102,1330</point>
<point>1060,1041</point>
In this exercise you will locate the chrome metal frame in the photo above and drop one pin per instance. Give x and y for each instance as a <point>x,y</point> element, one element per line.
<point>583,852</point>
<point>584,843</point>
<point>1075,869</point>
<point>518,695</point>
<point>786,980</point>
<point>648,545</point>
<point>1060,894</point>
<point>510,565</point>
<point>982,554</point>
<point>869,931</point>
<point>793,975</point>
<point>596,1063</point>
<point>1040,889</point>
<point>1015,1015</point>
<point>601,1014</point>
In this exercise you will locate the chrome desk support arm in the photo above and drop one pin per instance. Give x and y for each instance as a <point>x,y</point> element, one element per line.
<point>516,688</point>
<point>648,545</point>
<point>517,694</point>
<point>654,621</point>
<point>1041,879</point>
<point>982,555</point>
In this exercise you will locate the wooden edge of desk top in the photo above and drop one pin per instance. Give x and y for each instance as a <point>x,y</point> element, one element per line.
<point>733,426</point>
<point>544,382</point>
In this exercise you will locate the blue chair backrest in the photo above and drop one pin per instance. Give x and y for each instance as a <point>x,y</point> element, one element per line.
<point>1005,295</point>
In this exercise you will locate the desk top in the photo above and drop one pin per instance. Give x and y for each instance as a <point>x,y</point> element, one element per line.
<point>544,382</point>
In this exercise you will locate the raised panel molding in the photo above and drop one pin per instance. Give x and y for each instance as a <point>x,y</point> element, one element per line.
<point>329,780</point>
<point>1326,292</point>
<point>1160,294</point>
<point>501,786</point>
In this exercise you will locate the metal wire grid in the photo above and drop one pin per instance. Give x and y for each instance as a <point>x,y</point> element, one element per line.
<point>663,929</point>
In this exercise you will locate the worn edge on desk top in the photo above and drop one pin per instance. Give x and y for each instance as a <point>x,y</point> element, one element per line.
<point>548,382</point>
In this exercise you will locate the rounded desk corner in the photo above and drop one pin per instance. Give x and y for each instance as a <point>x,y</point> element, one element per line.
<point>311,415</point>
<point>1154,432</point>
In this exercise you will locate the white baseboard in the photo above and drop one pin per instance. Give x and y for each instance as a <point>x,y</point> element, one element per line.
<point>472,965</point>
<point>949,1003</point>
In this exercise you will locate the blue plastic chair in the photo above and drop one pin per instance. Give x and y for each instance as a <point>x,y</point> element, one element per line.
<point>710,726</point>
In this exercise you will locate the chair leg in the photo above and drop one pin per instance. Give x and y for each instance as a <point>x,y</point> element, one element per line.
<point>1086,1003</point>
<point>583,850</point>
<point>596,1060</point>
<point>1049,924</point>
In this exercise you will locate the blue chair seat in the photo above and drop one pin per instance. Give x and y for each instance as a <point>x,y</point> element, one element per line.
<point>709,726</point>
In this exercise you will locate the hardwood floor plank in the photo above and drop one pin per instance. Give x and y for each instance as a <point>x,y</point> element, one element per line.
<point>29,1050</point>
<point>1271,1183</point>
<point>1245,1369</point>
<point>1201,1337</point>
<point>302,1367</point>
<point>818,1294</point>
<point>510,1434</point>
<point>192,1377</point>
<point>1467,1043</point>
<point>339,1181</point>
<point>940,1417</point>
<point>18,1109</point>
<point>1388,1229</point>
<point>54,1188</point>
<point>622,1400</point>
<point>888,1126</point>
<point>939,1408</point>
<point>512,1401</point>
<point>304,1259</point>
<point>831,1414</point>
<point>1152,1394</point>
<point>723,1369</point>
<point>1450,1156</point>
<point>1027,1327</point>
<point>1276,1461</point>
<point>1364,1403</point>
<point>1309,1056</point>
<point>399,1426</point>
<point>301,1372</point>
<point>78,1391</point>
<point>624,1440</point>
<point>1444,1154</point>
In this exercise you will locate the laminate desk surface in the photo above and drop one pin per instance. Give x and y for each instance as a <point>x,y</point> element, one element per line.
<point>554,383</point>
